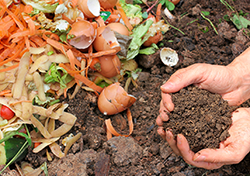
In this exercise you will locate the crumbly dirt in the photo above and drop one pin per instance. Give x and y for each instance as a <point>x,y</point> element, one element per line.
<point>203,117</point>
<point>144,152</point>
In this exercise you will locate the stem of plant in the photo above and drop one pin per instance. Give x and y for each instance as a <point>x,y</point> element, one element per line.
<point>150,8</point>
<point>203,16</point>
<point>25,145</point>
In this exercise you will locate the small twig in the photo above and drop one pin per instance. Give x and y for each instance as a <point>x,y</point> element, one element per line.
<point>203,16</point>
<point>150,8</point>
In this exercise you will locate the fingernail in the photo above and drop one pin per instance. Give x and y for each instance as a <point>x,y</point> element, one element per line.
<point>167,86</point>
<point>179,140</point>
<point>200,158</point>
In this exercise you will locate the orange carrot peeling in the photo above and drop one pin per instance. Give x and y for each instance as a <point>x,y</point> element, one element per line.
<point>124,17</point>
<point>9,68</point>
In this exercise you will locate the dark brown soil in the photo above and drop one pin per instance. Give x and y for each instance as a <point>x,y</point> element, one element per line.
<point>144,152</point>
<point>202,117</point>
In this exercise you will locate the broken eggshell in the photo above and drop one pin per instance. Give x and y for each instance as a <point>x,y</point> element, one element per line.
<point>106,40</point>
<point>110,65</point>
<point>108,4</point>
<point>82,34</point>
<point>169,56</point>
<point>114,99</point>
<point>119,27</point>
<point>90,8</point>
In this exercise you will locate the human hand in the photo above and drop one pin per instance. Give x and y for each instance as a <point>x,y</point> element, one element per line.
<point>224,80</point>
<point>231,151</point>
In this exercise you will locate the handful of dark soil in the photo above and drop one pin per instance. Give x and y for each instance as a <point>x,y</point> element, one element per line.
<point>201,116</point>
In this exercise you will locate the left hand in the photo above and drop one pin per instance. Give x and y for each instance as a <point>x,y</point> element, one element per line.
<point>231,151</point>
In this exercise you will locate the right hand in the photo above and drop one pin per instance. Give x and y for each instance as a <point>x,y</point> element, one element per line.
<point>224,80</point>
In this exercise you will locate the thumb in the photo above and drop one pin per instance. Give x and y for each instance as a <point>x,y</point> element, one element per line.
<point>180,79</point>
<point>228,155</point>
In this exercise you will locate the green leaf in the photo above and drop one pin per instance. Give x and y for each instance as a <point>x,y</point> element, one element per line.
<point>138,39</point>
<point>169,5</point>
<point>162,2</point>
<point>240,22</point>
<point>13,133</point>
<point>57,74</point>
<point>149,50</point>
<point>145,15</point>
<point>50,53</point>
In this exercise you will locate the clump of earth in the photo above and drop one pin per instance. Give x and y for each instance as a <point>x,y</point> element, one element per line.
<point>201,116</point>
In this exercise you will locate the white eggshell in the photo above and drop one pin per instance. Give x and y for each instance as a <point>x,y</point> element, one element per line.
<point>169,56</point>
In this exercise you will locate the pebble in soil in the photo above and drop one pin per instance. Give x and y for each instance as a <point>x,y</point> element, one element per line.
<point>201,116</point>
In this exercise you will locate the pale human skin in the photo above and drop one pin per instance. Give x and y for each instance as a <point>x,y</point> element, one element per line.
<point>232,82</point>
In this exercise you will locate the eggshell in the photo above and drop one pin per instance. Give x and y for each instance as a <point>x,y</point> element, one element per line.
<point>114,99</point>
<point>108,4</point>
<point>169,56</point>
<point>110,65</point>
<point>175,2</point>
<point>106,40</point>
<point>84,32</point>
<point>119,27</point>
<point>90,8</point>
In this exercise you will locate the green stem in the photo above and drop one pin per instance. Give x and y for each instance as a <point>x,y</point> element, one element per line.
<point>203,16</point>
<point>25,145</point>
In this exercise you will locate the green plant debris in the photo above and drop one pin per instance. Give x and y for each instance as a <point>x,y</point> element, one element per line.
<point>192,21</point>
<point>203,16</point>
<point>239,21</point>
<point>168,4</point>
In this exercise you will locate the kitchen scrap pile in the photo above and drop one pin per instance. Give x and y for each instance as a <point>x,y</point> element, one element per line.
<point>50,46</point>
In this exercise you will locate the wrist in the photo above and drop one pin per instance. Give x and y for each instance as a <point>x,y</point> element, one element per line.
<point>240,71</point>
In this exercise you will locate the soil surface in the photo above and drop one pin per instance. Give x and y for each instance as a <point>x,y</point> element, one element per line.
<point>203,117</point>
<point>144,152</point>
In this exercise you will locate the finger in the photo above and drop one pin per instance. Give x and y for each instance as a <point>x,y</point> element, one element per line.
<point>163,112</point>
<point>167,101</point>
<point>184,77</point>
<point>184,148</point>
<point>228,155</point>
<point>161,132</point>
<point>188,155</point>
<point>172,142</point>
<point>159,121</point>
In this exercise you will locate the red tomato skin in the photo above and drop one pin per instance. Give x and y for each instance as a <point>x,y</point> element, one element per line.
<point>6,113</point>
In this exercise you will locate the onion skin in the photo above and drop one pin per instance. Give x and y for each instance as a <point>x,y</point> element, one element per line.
<point>108,4</point>
<point>108,68</point>
<point>114,99</point>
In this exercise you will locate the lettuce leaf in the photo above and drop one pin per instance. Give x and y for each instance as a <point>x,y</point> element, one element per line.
<point>138,39</point>
<point>57,74</point>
